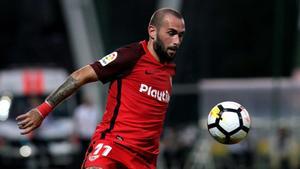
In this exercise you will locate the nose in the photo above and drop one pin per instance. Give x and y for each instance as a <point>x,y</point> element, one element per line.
<point>176,40</point>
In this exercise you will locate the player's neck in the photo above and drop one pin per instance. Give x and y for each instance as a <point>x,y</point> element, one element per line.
<point>151,50</point>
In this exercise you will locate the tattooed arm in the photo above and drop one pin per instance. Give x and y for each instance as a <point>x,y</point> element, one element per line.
<point>33,118</point>
<point>74,82</point>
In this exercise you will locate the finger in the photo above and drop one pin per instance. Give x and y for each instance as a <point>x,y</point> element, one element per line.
<point>20,117</point>
<point>26,125</point>
<point>23,122</point>
<point>27,130</point>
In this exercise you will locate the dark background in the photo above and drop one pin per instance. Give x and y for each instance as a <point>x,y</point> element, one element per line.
<point>238,39</point>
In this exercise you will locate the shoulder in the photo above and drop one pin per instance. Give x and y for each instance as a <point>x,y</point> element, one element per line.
<point>131,51</point>
<point>118,63</point>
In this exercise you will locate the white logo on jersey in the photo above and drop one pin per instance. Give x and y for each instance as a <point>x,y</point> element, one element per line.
<point>93,157</point>
<point>108,58</point>
<point>162,96</point>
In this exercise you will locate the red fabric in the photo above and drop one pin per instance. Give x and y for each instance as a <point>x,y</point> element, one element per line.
<point>44,109</point>
<point>137,100</point>
<point>107,154</point>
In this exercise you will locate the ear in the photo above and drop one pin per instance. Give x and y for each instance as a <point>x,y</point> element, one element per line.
<point>152,31</point>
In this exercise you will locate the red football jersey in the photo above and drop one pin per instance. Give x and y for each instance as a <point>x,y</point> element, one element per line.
<point>138,97</point>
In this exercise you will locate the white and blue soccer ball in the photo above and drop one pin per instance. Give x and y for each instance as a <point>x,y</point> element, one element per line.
<point>228,122</point>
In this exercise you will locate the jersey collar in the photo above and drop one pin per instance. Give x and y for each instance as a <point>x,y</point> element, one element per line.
<point>170,66</point>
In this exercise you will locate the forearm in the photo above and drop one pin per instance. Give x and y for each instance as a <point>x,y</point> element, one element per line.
<point>70,86</point>
<point>64,91</point>
<point>33,118</point>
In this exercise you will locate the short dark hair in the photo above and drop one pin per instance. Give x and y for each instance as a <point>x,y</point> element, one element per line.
<point>159,14</point>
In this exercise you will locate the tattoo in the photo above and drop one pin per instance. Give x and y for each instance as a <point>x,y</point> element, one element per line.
<point>64,91</point>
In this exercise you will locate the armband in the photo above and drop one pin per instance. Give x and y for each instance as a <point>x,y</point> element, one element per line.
<point>44,109</point>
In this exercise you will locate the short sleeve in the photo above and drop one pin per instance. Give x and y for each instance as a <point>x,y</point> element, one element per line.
<point>118,63</point>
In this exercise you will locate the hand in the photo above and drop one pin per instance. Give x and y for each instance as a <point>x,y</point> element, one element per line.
<point>29,121</point>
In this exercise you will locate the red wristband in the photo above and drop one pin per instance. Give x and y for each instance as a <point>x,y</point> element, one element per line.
<point>44,109</point>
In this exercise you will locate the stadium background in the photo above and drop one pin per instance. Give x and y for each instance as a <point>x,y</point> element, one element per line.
<point>245,51</point>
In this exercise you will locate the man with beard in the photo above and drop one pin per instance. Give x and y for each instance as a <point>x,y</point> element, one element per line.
<point>140,76</point>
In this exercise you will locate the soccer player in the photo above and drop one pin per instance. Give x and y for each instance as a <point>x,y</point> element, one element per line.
<point>140,76</point>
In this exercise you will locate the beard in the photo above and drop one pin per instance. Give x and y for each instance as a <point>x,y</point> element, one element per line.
<point>161,51</point>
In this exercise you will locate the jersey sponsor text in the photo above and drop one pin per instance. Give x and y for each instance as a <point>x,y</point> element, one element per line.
<point>162,96</point>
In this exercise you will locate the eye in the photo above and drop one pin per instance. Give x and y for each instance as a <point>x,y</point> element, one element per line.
<point>172,32</point>
<point>181,35</point>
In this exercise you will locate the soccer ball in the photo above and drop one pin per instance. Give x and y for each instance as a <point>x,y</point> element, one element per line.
<point>228,122</point>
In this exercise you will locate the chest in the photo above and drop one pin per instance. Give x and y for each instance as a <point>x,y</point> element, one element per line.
<point>152,75</point>
<point>150,81</point>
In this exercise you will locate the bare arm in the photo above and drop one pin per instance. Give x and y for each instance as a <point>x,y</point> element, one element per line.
<point>33,119</point>
<point>70,86</point>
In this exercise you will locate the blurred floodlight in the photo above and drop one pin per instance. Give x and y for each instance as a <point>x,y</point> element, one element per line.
<point>25,151</point>
<point>5,103</point>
